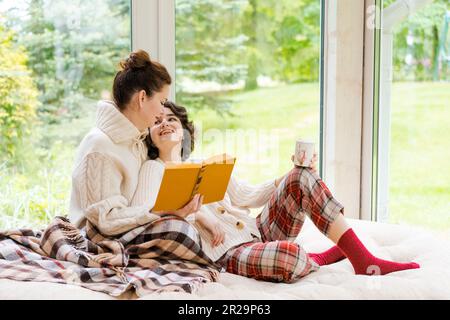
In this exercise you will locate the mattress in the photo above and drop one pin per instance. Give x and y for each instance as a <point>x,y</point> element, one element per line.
<point>336,281</point>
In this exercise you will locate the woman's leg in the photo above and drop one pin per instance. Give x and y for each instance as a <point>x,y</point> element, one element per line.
<point>170,237</point>
<point>302,191</point>
<point>362,260</point>
<point>277,261</point>
<point>278,257</point>
<point>338,228</point>
<point>332,255</point>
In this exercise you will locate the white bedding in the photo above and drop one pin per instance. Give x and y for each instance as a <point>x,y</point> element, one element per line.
<point>336,281</point>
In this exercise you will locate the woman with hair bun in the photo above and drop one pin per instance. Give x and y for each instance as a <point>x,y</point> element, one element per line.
<point>110,170</point>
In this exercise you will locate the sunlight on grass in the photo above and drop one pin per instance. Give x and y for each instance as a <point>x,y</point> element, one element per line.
<point>419,155</point>
<point>263,131</point>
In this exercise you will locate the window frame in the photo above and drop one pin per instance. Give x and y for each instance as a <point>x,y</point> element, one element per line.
<point>344,103</point>
<point>153,30</point>
<point>370,122</point>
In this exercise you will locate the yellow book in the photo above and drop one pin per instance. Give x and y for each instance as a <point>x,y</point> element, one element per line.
<point>182,181</point>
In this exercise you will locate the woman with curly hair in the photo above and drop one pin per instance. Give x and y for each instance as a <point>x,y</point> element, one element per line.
<point>262,247</point>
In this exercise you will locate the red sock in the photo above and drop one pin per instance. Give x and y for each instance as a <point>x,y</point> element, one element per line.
<point>363,261</point>
<point>332,255</point>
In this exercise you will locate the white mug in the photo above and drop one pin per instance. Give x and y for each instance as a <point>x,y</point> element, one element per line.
<point>306,148</point>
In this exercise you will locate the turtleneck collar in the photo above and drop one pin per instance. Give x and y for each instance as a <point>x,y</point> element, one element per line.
<point>115,125</point>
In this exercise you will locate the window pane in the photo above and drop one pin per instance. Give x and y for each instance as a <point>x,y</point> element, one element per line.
<point>248,72</point>
<point>57,59</point>
<point>419,174</point>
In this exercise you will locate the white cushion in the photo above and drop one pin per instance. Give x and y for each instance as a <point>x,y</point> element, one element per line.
<point>336,281</point>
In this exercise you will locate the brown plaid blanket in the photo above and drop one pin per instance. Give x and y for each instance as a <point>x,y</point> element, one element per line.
<point>165,255</point>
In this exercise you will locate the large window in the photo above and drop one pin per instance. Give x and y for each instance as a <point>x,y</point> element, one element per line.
<point>414,174</point>
<point>248,72</point>
<point>57,59</point>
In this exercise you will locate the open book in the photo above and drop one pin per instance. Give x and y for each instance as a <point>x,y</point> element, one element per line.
<point>182,181</point>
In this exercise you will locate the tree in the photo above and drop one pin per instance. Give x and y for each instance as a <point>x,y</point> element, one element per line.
<point>74,51</point>
<point>252,22</point>
<point>18,96</point>
<point>297,39</point>
<point>231,41</point>
<point>209,48</point>
<point>416,42</point>
<point>258,24</point>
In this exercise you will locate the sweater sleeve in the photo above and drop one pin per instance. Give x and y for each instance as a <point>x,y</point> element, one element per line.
<point>98,182</point>
<point>243,194</point>
<point>150,177</point>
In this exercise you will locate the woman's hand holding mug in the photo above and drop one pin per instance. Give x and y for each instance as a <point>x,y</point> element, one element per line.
<point>305,155</point>
<point>313,164</point>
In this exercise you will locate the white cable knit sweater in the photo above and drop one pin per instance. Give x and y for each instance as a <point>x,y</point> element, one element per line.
<point>106,175</point>
<point>233,213</point>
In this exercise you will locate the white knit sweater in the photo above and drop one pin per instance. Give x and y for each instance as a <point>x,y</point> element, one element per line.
<point>233,213</point>
<point>106,172</point>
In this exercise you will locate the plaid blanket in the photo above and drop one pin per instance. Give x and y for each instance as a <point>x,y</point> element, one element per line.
<point>165,255</point>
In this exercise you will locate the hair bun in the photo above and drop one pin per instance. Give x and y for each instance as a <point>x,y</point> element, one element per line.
<point>136,60</point>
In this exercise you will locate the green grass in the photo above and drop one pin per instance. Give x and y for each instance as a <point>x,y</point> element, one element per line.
<point>273,118</point>
<point>419,183</point>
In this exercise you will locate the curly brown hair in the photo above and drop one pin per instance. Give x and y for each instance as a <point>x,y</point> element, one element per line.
<point>188,133</point>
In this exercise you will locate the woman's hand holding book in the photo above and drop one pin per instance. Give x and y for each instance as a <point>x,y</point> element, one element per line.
<point>192,207</point>
<point>313,168</point>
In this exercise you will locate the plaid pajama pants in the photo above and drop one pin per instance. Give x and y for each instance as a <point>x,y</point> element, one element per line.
<point>276,257</point>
